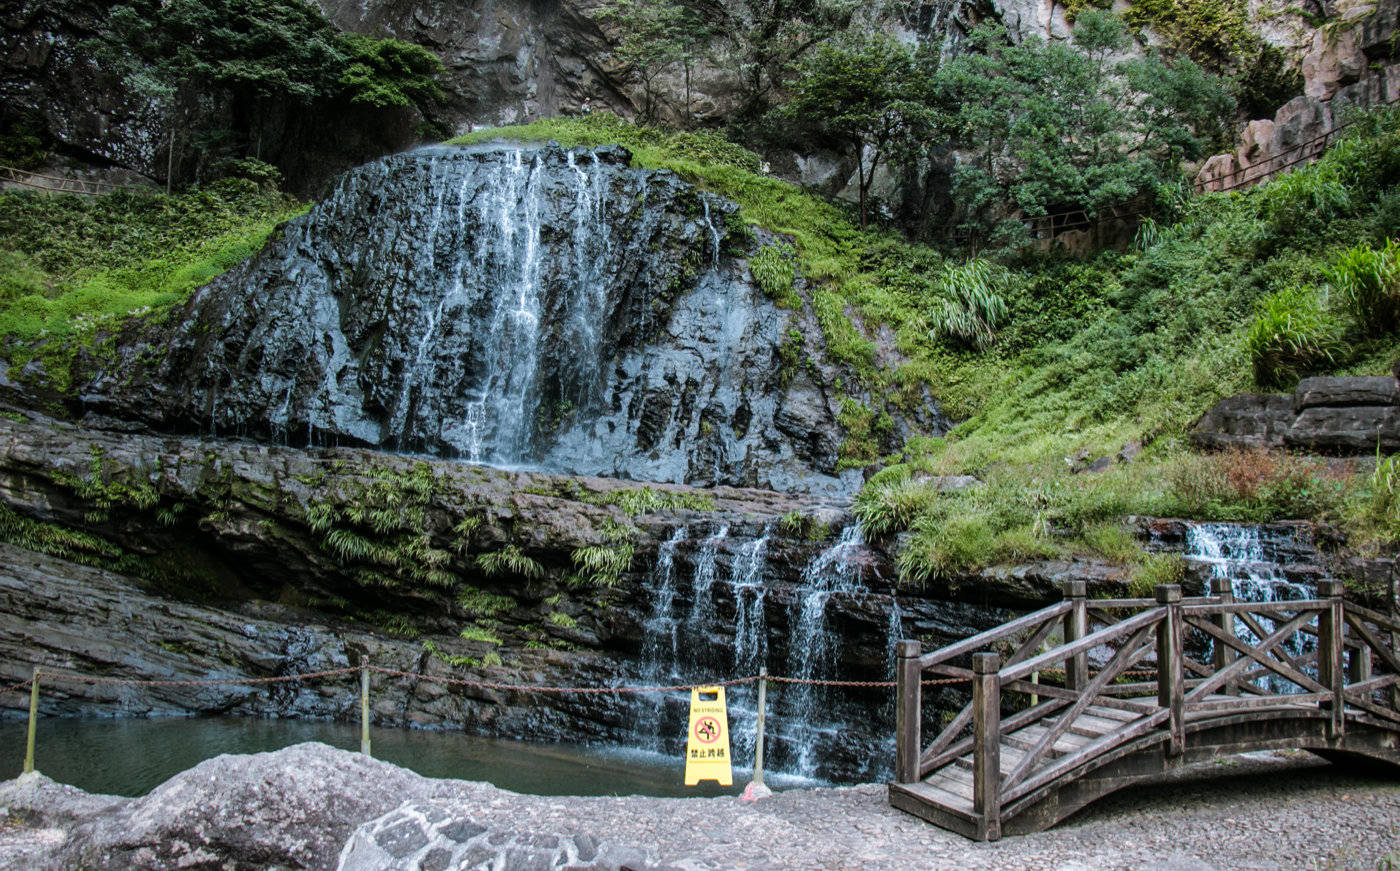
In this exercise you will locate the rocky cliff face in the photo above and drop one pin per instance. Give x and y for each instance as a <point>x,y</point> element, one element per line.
<point>515,306</point>
<point>1331,415</point>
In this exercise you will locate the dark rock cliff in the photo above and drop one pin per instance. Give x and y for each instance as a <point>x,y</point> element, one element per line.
<point>517,306</point>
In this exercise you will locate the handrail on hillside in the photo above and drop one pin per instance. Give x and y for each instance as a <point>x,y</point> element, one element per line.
<point>1210,657</point>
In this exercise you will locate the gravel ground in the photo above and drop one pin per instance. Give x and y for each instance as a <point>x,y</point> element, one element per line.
<point>1262,811</point>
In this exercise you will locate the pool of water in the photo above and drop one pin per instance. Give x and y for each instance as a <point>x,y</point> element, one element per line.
<point>131,756</point>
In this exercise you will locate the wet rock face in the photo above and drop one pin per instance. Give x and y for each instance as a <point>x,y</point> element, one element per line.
<point>519,307</point>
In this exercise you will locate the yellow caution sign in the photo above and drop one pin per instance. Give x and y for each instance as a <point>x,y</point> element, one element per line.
<point>707,747</point>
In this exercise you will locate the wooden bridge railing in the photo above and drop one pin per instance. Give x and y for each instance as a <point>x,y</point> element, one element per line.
<point>1204,657</point>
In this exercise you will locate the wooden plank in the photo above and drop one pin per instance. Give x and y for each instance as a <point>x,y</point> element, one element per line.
<point>1376,617</point>
<point>986,733</point>
<point>1233,704</point>
<point>983,639</point>
<point>909,711</point>
<point>1008,724</point>
<point>938,797</point>
<point>1283,608</point>
<point>1377,645</point>
<point>1088,642</point>
<point>946,738</point>
<point>1049,774</point>
<point>1131,651</point>
<point>1255,655</point>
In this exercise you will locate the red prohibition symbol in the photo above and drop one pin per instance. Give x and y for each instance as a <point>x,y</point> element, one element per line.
<point>707,730</point>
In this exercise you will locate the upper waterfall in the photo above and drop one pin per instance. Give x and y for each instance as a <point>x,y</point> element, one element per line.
<point>512,305</point>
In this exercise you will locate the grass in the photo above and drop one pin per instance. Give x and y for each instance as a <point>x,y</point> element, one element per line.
<point>72,268</point>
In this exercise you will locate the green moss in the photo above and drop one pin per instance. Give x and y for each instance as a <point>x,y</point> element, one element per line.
<point>772,267</point>
<point>479,603</point>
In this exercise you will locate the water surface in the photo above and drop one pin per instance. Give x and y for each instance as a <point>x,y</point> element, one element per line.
<point>131,756</point>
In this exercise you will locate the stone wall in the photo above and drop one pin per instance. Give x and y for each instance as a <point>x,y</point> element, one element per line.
<point>1329,415</point>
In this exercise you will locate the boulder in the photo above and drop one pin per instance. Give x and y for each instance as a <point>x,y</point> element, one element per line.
<point>1355,429</point>
<point>1370,390</point>
<point>290,809</point>
<point>442,835</point>
<point>1248,420</point>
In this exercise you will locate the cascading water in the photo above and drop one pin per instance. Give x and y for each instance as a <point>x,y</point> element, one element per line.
<point>1244,558</point>
<point>687,642</point>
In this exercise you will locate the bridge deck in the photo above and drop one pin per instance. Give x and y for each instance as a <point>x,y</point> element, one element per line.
<point>1261,676</point>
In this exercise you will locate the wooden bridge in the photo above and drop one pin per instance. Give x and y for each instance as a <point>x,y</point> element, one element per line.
<point>1134,688</point>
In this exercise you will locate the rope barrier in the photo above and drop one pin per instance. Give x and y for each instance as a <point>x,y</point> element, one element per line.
<point>84,678</point>
<point>24,684</point>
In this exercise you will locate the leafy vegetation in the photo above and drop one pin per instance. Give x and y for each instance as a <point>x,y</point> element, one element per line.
<point>254,78</point>
<point>72,268</point>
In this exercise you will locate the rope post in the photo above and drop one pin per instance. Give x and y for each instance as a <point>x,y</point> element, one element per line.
<point>908,708</point>
<point>986,747</point>
<point>33,721</point>
<point>758,738</point>
<point>1224,653</point>
<point>364,705</point>
<point>1171,688</point>
<point>1330,644</point>
<point>1076,627</point>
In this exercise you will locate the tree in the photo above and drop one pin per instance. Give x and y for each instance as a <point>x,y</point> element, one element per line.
<point>227,71</point>
<point>769,39</point>
<point>1058,127</point>
<point>864,91</point>
<point>657,35</point>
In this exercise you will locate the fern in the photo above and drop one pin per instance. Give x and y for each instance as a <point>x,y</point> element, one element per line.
<point>509,560</point>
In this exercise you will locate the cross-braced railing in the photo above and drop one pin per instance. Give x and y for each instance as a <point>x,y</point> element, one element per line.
<point>1056,690</point>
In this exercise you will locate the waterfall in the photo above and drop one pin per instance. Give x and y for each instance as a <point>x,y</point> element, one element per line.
<point>1245,558</point>
<point>659,642</point>
<point>702,603</point>
<point>813,649</point>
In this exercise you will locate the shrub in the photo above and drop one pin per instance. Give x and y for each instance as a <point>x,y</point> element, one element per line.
<point>1369,281</point>
<point>1253,485</point>
<point>773,269</point>
<point>1292,332</point>
<point>971,309</point>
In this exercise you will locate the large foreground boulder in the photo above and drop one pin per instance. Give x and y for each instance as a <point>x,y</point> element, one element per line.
<point>289,809</point>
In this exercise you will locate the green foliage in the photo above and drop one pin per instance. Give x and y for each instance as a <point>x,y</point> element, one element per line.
<point>654,38</point>
<point>1369,281</point>
<point>636,501</point>
<point>387,72</point>
<point>1379,507</point>
<point>562,620</point>
<point>970,307</point>
<point>377,526</point>
<point>773,269</point>
<point>863,90</point>
<point>509,560</point>
<point>863,430</point>
<point>225,74</point>
<point>477,633</point>
<point>1292,333</point>
<point>479,603</point>
<point>602,565</point>
<point>1155,569</point>
<point>73,268</point>
<point>1214,31</point>
<point>1056,126</point>
<point>104,491</point>
<point>456,660</point>
<point>25,142</point>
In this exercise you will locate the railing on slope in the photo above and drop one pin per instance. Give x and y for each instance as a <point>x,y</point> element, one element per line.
<point>1211,657</point>
<point>56,184</point>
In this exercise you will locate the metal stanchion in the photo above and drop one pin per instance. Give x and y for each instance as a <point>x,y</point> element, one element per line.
<point>33,721</point>
<point>757,789</point>
<point>364,705</point>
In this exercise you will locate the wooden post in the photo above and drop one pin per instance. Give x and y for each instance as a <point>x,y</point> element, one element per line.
<point>33,721</point>
<point>1171,690</point>
<point>908,709</point>
<point>986,747</point>
<point>364,705</point>
<point>1224,653</point>
<point>1330,644</point>
<point>1395,636</point>
<point>1076,627</point>
<point>758,737</point>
